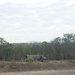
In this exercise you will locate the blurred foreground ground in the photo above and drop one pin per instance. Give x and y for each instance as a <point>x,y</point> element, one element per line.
<point>52,72</point>
<point>50,67</point>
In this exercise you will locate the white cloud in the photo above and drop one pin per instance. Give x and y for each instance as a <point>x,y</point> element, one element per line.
<point>27,1</point>
<point>68,2</point>
<point>58,21</point>
<point>41,21</point>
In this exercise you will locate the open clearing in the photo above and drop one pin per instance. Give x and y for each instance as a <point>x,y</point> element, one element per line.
<point>52,72</point>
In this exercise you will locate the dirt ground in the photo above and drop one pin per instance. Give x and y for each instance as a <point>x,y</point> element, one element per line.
<point>36,66</point>
<point>45,72</point>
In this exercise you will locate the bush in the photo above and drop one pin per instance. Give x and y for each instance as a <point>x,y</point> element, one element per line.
<point>2,65</point>
<point>72,61</point>
<point>30,59</point>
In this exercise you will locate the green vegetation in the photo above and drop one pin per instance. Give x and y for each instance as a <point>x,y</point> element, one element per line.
<point>30,59</point>
<point>2,65</point>
<point>58,49</point>
<point>72,61</point>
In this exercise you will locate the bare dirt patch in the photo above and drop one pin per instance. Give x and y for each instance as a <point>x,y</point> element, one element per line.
<point>52,72</point>
<point>35,66</point>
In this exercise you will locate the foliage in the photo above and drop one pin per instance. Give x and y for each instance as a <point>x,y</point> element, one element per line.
<point>58,49</point>
<point>72,61</point>
<point>30,59</point>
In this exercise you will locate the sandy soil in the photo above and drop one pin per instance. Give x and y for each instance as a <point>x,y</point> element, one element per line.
<point>52,72</point>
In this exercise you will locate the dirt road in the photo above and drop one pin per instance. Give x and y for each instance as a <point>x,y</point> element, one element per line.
<point>52,72</point>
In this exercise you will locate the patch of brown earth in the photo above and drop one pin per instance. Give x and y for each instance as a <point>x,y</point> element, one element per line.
<point>35,66</point>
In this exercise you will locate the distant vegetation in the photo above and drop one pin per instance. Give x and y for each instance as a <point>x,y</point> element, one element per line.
<point>58,49</point>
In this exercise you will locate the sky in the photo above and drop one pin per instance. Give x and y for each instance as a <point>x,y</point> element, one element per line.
<point>36,20</point>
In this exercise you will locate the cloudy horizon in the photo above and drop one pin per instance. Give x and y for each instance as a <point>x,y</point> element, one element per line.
<point>36,20</point>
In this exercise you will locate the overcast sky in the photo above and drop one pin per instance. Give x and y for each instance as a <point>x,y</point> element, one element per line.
<point>36,20</point>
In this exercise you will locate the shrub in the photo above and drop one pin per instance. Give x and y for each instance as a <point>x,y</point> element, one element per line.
<point>30,59</point>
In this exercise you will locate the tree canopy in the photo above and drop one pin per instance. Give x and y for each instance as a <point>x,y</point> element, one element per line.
<point>61,48</point>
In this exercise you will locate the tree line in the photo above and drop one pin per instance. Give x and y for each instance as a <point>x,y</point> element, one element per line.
<point>57,49</point>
